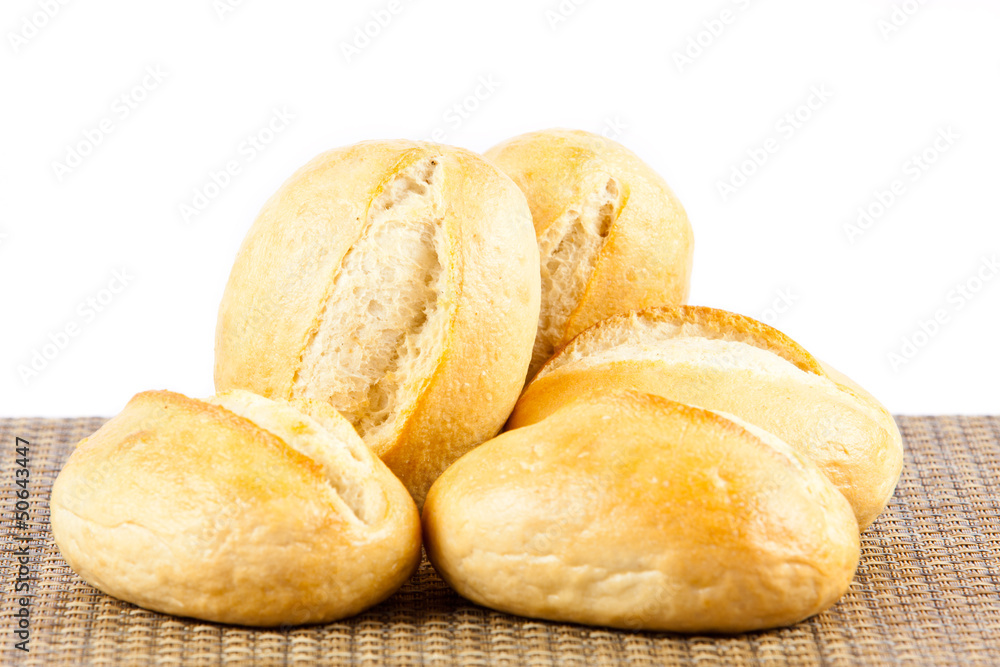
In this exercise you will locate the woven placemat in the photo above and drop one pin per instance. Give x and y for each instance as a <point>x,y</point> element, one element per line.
<point>927,589</point>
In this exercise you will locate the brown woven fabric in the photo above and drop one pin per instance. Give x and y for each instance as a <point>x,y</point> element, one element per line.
<point>927,589</point>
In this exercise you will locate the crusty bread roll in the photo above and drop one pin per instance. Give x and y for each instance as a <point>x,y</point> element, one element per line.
<point>237,509</point>
<point>633,511</point>
<point>611,233</point>
<point>728,362</point>
<point>398,282</point>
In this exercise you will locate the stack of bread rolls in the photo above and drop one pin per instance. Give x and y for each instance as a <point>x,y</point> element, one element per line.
<point>395,306</point>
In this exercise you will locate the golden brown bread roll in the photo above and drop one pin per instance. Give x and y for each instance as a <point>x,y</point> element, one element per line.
<point>633,511</point>
<point>398,282</point>
<point>728,362</point>
<point>611,233</point>
<point>237,509</point>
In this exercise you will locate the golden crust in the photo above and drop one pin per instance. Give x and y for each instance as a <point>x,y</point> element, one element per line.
<point>710,323</point>
<point>645,259</point>
<point>184,507</point>
<point>812,407</point>
<point>629,510</point>
<point>286,267</point>
<point>490,334</point>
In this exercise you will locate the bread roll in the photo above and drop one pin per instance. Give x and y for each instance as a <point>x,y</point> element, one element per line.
<point>723,361</point>
<point>612,235</point>
<point>633,511</point>
<point>237,509</point>
<point>398,282</point>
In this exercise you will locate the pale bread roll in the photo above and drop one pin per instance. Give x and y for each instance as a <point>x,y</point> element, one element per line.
<point>612,235</point>
<point>398,282</point>
<point>632,511</point>
<point>237,509</point>
<point>723,361</point>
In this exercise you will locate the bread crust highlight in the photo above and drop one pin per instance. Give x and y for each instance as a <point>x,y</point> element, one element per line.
<point>728,362</point>
<point>612,234</point>
<point>483,314</point>
<point>185,507</point>
<point>632,511</point>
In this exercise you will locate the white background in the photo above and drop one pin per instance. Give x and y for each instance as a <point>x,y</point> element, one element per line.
<point>607,65</point>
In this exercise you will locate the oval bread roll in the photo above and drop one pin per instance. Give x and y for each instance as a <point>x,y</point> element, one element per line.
<point>728,362</point>
<point>398,282</point>
<point>633,511</point>
<point>611,233</point>
<point>237,509</point>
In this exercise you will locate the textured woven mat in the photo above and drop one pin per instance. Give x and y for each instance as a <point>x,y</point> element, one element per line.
<point>927,589</point>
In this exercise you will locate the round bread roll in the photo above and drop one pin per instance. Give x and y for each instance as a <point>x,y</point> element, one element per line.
<point>611,233</point>
<point>728,362</point>
<point>398,282</point>
<point>237,509</point>
<point>633,511</point>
